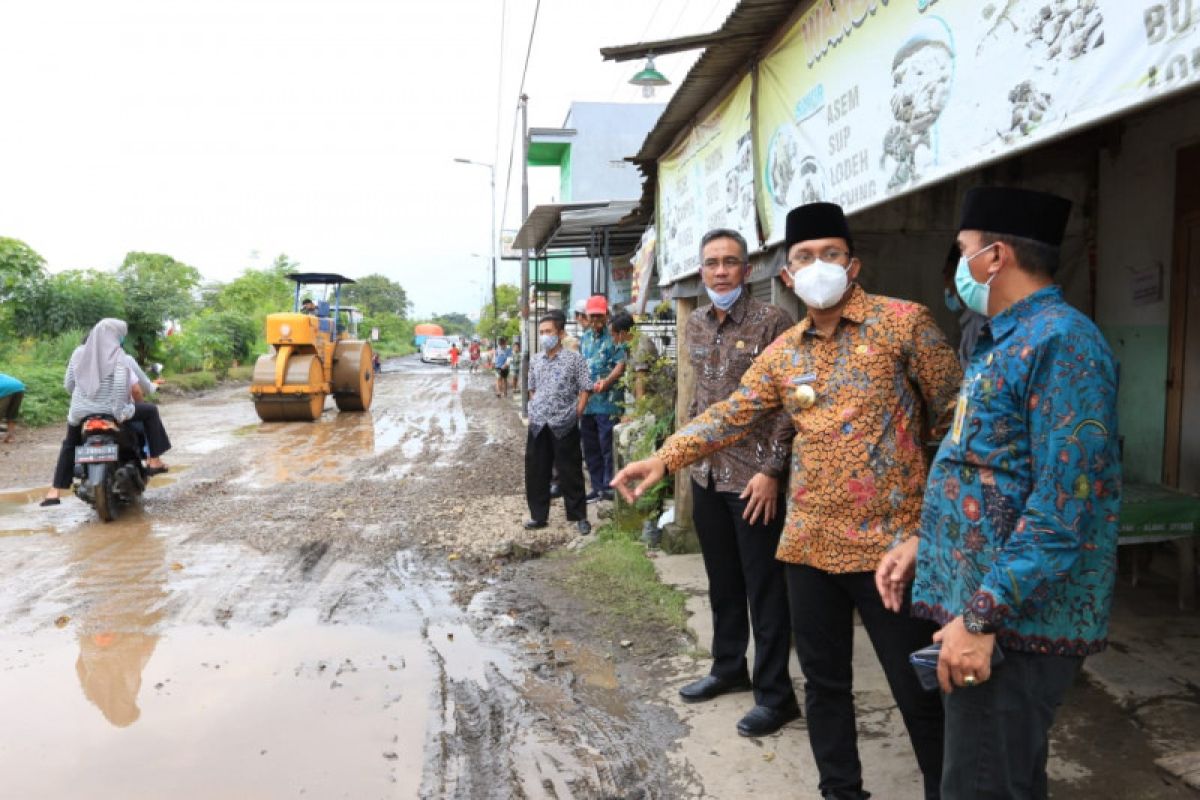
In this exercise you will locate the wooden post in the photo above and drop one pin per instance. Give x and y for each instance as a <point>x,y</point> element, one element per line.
<point>685,390</point>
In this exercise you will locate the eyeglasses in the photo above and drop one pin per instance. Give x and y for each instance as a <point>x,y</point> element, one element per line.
<point>729,262</point>
<point>805,258</point>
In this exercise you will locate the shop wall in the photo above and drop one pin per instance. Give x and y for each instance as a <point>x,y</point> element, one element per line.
<point>605,134</point>
<point>903,244</point>
<point>1136,229</point>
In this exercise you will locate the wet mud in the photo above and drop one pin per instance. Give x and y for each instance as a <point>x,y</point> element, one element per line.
<point>307,609</point>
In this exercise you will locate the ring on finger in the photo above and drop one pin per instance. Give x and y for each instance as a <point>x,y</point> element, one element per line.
<point>969,680</point>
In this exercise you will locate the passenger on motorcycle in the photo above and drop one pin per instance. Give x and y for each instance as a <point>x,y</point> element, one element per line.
<point>101,378</point>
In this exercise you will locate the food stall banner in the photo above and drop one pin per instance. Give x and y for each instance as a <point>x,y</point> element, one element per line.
<point>643,268</point>
<point>706,181</point>
<point>865,100</point>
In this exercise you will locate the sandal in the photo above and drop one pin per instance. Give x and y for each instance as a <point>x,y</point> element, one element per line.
<point>50,501</point>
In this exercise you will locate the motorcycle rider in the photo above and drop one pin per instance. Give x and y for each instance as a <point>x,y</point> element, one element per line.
<point>100,377</point>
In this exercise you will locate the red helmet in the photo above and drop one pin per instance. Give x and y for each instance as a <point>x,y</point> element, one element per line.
<point>597,304</point>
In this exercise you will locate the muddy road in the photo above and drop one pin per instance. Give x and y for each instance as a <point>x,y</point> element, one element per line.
<point>306,610</point>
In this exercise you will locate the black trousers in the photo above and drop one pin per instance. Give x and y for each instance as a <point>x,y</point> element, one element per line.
<point>823,605</point>
<point>544,453</point>
<point>64,469</point>
<point>743,575</point>
<point>157,442</point>
<point>998,732</point>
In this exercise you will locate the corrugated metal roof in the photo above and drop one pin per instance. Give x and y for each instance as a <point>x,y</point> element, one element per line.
<point>541,222</point>
<point>734,46</point>
<point>745,31</point>
<point>579,227</point>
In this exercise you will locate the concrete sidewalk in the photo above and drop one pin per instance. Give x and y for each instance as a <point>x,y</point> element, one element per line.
<point>723,764</point>
<point>1136,704</point>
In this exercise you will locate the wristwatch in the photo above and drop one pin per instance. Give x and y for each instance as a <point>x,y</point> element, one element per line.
<point>975,623</point>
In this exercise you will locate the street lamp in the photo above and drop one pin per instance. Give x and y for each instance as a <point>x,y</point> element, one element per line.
<point>649,78</point>
<point>492,171</point>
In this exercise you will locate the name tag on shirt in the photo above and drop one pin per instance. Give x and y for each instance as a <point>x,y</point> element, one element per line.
<point>960,409</point>
<point>960,415</point>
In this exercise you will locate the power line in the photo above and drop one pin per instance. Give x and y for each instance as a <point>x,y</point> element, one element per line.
<point>513,142</point>
<point>529,49</point>
<point>621,78</point>
<point>500,84</point>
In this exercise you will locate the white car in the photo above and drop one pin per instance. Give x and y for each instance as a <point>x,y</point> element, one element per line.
<point>435,349</point>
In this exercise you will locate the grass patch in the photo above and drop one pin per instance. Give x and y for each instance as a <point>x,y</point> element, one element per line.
<point>242,373</point>
<point>192,381</point>
<point>387,350</point>
<point>614,574</point>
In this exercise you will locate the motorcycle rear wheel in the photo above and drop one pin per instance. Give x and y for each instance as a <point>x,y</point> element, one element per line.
<point>106,504</point>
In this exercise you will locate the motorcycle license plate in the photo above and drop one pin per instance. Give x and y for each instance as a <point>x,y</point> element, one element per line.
<point>94,454</point>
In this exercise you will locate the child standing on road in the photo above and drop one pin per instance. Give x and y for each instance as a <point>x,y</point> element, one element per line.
<point>454,353</point>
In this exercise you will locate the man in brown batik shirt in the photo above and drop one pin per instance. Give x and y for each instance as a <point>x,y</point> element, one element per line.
<point>738,510</point>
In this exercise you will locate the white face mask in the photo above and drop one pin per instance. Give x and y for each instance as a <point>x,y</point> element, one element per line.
<point>821,284</point>
<point>724,301</point>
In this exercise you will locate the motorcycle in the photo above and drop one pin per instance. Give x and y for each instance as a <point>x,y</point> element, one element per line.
<point>109,467</point>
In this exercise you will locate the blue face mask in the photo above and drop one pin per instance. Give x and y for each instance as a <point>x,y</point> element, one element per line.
<point>549,342</point>
<point>724,301</point>
<point>952,302</point>
<point>973,293</point>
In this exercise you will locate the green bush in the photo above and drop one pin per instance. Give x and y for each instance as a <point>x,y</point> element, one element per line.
<point>213,340</point>
<point>41,364</point>
<point>46,401</point>
<point>65,301</point>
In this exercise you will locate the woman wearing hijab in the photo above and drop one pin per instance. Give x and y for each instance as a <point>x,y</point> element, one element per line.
<point>101,377</point>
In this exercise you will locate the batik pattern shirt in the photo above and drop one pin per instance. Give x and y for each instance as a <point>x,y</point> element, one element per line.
<point>720,352</point>
<point>863,400</point>
<point>556,383</point>
<point>1021,513</point>
<point>602,354</point>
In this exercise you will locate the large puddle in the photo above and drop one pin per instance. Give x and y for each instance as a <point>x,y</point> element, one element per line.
<point>112,691</point>
<point>140,660</point>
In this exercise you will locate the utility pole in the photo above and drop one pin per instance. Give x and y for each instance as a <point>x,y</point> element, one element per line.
<point>495,303</point>
<point>526,338</point>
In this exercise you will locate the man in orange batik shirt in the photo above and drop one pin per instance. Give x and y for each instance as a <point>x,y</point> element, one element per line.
<point>867,381</point>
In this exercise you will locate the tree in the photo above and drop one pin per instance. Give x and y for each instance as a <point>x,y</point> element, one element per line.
<point>508,298</point>
<point>455,324</point>
<point>77,299</point>
<point>257,292</point>
<point>377,294</point>
<point>157,288</point>
<point>19,264</point>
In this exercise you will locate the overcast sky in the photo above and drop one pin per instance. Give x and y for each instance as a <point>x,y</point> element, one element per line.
<point>224,132</point>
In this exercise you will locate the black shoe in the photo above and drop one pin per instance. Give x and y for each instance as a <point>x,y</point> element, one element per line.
<point>592,497</point>
<point>606,495</point>
<point>711,686</point>
<point>763,720</point>
<point>584,527</point>
<point>50,501</point>
<point>535,524</point>
<point>555,491</point>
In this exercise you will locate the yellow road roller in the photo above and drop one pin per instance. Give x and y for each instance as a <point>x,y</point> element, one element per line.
<point>315,352</point>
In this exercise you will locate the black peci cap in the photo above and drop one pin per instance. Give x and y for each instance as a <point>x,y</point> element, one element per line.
<point>817,221</point>
<point>1016,212</point>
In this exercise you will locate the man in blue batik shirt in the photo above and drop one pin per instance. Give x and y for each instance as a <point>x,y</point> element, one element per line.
<point>1018,540</point>
<point>606,363</point>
